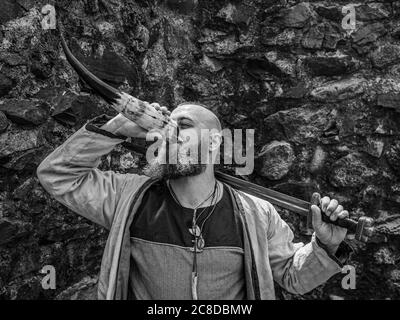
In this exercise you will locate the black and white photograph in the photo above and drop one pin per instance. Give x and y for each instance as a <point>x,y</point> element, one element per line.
<point>208,151</point>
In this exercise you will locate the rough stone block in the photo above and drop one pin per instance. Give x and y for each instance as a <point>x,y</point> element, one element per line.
<point>278,157</point>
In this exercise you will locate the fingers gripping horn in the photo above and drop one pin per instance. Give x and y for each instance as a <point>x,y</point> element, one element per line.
<point>140,112</point>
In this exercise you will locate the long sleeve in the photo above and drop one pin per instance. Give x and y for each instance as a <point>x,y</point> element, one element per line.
<point>296,267</point>
<point>70,175</point>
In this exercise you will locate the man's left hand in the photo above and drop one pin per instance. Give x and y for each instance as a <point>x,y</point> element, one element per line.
<point>330,235</point>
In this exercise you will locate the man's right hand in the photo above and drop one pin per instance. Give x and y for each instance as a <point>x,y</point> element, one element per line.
<point>120,125</point>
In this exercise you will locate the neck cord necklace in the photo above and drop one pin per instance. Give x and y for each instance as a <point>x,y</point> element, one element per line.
<point>176,198</point>
<point>199,244</point>
<point>197,233</point>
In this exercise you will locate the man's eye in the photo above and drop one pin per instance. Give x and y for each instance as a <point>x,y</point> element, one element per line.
<point>184,125</point>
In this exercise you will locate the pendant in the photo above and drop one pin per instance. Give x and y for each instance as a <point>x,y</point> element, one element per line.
<point>198,238</point>
<point>195,231</point>
<point>200,243</point>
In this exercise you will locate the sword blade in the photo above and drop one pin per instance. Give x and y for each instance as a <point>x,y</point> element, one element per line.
<point>277,198</point>
<point>285,201</point>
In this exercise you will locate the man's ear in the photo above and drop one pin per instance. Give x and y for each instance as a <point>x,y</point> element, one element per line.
<point>215,141</point>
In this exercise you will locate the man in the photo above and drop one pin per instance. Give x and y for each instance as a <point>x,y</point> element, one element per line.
<point>180,234</point>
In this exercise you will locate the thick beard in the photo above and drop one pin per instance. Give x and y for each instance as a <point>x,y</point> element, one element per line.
<point>184,167</point>
<point>172,171</point>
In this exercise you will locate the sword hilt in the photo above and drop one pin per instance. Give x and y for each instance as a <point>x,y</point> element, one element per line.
<point>362,228</point>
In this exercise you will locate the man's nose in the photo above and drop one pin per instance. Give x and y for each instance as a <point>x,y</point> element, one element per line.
<point>173,132</point>
<point>180,139</point>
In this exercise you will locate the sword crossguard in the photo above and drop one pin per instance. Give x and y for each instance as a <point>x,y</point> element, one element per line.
<point>364,229</point>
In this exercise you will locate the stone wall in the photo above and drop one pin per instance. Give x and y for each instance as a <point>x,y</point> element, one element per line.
<point>324,103</point>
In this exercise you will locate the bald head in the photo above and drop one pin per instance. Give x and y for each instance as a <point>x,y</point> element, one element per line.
<point>202,117</point>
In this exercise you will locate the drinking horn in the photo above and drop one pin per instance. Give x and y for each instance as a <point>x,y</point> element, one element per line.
<point>138,111</point>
